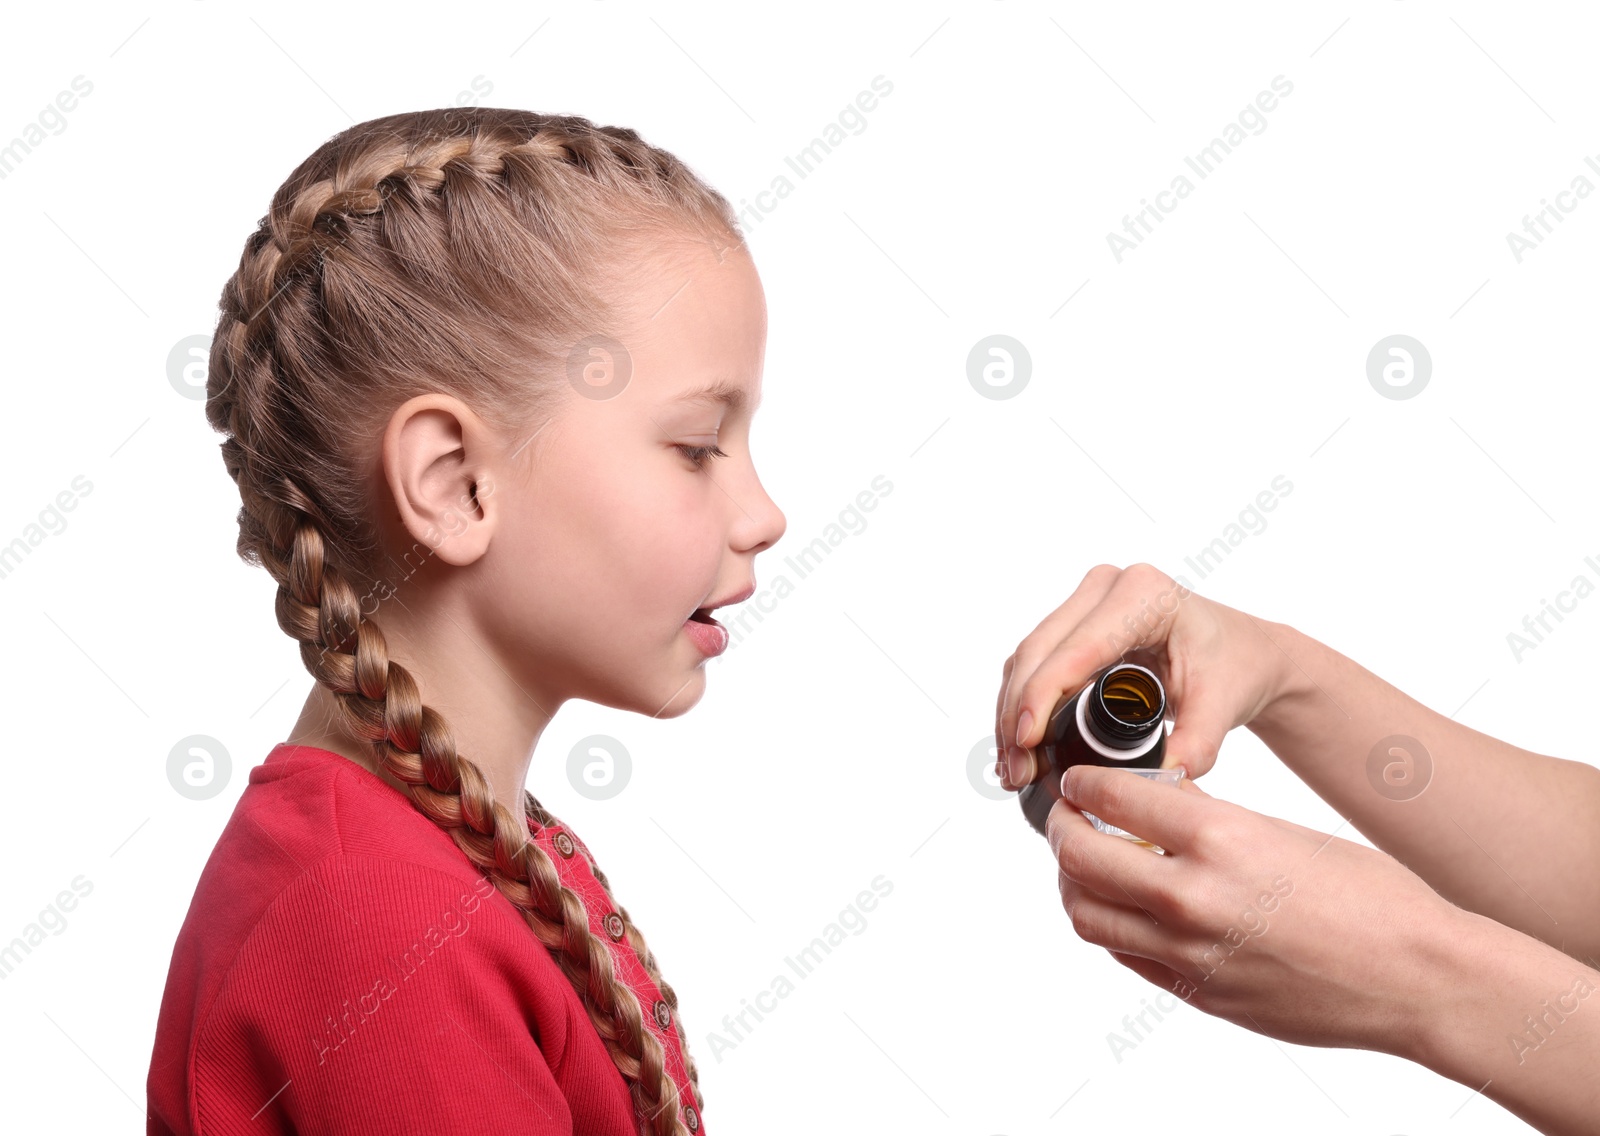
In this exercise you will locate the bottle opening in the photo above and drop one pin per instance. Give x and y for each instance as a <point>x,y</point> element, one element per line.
<point>1131,696</point>
<point>1128,703</point>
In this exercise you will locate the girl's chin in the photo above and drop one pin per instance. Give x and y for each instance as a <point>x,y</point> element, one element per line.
<point>685,697</point>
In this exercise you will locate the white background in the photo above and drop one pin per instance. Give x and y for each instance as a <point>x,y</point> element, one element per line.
<point>833,743</point>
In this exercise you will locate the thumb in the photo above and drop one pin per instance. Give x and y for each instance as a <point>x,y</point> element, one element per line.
<point>1196,737</point>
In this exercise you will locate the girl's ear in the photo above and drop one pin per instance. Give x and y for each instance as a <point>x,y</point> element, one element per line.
<point>436,465</point>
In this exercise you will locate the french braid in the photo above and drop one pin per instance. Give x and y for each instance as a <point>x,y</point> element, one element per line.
<point>435,250</point>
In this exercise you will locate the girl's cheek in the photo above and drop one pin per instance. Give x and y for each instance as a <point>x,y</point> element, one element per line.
<point>690,510</point>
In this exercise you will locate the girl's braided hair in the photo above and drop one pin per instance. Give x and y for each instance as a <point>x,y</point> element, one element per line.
<point>466,251</point>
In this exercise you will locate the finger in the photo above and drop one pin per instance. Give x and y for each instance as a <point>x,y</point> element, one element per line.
<point>999,707</point>
<point>1043,639</point>
<point>1000,699</point>
<point>1317,839</point>
<point>1016,767</point>
<point>1116,926</point>
<point>1135,804</point>
<point>1152,970</point>
<point>1071,889</point>
<point>1103,636</point>
<point>1111,866</point>
<point>1189,786</point>
<point>1198,731</point>
<point>1019,765</point>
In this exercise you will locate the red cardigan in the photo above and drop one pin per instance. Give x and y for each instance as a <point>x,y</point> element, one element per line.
<point>343,968</point>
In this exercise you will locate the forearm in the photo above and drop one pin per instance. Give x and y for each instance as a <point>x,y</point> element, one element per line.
<point>1499,830</point>
<point>1515,1019</point>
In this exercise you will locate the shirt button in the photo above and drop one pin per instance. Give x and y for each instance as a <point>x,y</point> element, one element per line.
<point>563,844</point>
<point>663,1014</point>
<point>614,926</point>
<point>691,1118</point>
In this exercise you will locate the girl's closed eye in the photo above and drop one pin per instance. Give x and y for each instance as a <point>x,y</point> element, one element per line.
<point>701,455</point>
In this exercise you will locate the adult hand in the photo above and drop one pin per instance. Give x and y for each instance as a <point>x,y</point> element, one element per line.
<point>1219,666</point>
<point>1286,931</point>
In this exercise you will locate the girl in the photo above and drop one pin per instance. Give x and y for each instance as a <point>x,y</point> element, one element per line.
<point>486,379</point>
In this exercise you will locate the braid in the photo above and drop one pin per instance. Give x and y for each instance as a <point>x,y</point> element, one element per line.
<point>399,258</point>
<point>648,960</point>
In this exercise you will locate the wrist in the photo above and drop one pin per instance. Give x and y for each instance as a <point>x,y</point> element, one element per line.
<point>1449,956</point>
<point>1284,652</point>
<point>1484,983</point>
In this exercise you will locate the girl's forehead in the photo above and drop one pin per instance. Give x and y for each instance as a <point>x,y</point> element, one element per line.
<point>664,276</point>
<point>702,329</point>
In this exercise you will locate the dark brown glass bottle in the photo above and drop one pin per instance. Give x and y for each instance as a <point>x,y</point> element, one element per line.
<point>1117,719</point>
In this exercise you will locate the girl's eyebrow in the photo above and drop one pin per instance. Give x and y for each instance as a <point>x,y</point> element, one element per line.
<point>731,396</point>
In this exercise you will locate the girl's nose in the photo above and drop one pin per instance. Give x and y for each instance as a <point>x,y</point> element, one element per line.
<point>767,523</point>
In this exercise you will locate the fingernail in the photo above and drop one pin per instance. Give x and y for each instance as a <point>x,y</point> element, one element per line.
<point>1018,767</point>
<point>1024,724</point>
